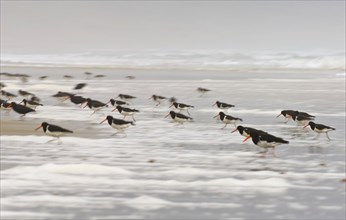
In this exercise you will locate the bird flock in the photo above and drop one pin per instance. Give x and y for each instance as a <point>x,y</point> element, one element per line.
<point>122,104</point>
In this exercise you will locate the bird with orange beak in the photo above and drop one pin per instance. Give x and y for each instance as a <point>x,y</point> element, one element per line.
<point>53,130</point>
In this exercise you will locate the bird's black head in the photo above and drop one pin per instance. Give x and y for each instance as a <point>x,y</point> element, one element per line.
<point>172,113</point>
<point>312,124</point>
<point>217,102</point>
<point>240,129</point>
<point>109,119</point>
<point>119,108</point>
<point>222,114</point>
<point>88,99</point>
<point>13,104</point>
<point>112,101</point>
<point>44,125</point>
<point>25,101</point>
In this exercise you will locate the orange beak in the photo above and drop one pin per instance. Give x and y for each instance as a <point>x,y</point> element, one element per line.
<point>214,104</point>
<point>167,115</point>
<point>216,116</point>
<point>114,109</point>
<point>306,126</point>
<point>278,115</point>
<point>38,127</point>
<point>234,130</point>
<point>85,105</point>
<point>171,106</point>
<point>103,121</point>
<point>247,138</point>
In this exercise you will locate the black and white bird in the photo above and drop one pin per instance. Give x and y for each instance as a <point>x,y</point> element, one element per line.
<point>117,102</point>
<point>62,96</point>
<point>182,106</point>
<point>302,119</point>
<point>320,128</point>
<point>118,124</point>
<point>288,114</point>
<point>158,99</point>
<point>126,97</point>
<point>31,104</point>
<point>126,111</point>
<point>80,86</point>
<point>265,140</point>
<point>8,95</point>
<point>178,117</point>
<point>53,130</point>
<point>77,99</point>
<point>203,90</point>
<point>21,109</point>
<point>94,105</point>
<point>227,119</point>
<point>25,93</point>
<point>223,105</point>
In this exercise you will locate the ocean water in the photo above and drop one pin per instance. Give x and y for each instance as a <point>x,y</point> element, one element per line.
<point>164,171</point>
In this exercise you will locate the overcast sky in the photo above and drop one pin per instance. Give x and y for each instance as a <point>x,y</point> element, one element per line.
<point>55,27</point>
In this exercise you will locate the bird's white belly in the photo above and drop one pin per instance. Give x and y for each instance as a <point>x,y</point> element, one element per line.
<point>127,113</point>
<point>120,127</point>
<point>265,144</point>
<point>55,133</point>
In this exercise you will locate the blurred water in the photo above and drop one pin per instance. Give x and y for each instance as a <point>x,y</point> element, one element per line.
<point>164,171</point>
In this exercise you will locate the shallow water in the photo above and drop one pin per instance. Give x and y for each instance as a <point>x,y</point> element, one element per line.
<point>163,171</point>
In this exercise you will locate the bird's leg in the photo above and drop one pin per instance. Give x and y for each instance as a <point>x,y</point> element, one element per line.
<point>92,113</point>
<point>224,126</point>
<point>188,111</point>
<point>133,118</point>
<point>327,136</point>
<point>124,117</point>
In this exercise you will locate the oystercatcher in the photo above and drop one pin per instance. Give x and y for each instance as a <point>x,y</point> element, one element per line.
<point>21,109</point>
<point>25,93</point>
<point>227,119</point>
<point>62,96</point>
<point>157,99</point>
<point>302,120</point>
<point>288,114</point>
<point>126,97</point>
<point>31,104</point>
<point>8,95</point>
<point>178,117</point>
<point>223,105</point>
<point>118,124</point>
<point>76,99</point>
<point>94,105</point>
<point>117,102</point>
<point>68,77</point>
<point>265,140</point>
<point>320,128</point>
<point>182,106</point>
<point>203,90</point>
<point>126,111</point>
<point>53,130</point>
<point>80,86</point>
